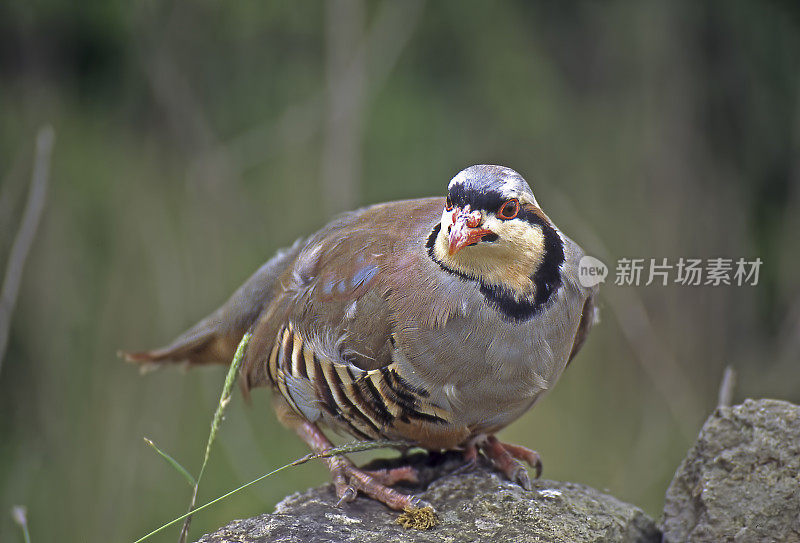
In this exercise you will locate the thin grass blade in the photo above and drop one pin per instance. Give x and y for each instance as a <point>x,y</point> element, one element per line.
<point>224,399</point>
<point>172,462</point>
<point>356,446</point>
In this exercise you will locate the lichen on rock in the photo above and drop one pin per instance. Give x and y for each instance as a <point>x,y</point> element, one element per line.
<point>741,479</point>
<point>479,505</point>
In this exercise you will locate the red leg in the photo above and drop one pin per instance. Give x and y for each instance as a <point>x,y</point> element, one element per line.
<point>348,480</point>
<point>523,453</point>
<point>391,476</point>
<point>506,458</point>
<point>471,453</point>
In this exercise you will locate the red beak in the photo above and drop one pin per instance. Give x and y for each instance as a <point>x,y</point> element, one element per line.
<point>465,230</point>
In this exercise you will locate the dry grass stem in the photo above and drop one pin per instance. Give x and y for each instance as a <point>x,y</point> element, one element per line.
<point>26,233</point>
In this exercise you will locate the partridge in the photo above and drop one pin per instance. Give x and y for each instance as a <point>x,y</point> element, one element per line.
<point>434,321</point>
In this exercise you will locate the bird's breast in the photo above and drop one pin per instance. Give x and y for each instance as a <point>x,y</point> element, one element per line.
<point>486,370</point>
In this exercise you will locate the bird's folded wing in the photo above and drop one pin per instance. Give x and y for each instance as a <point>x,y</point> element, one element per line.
<point>338,293</point>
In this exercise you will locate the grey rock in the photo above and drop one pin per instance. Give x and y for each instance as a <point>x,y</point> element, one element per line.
<point>741,479</point>
<point>478,505</point>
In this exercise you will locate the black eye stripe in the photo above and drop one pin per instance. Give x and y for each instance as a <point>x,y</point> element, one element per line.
<point>487,200</point>
<point>477,199</point>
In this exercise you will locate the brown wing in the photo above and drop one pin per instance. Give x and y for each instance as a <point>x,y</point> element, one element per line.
<point>325,342</point>
<point>588,317</point>
<point>337,290</point>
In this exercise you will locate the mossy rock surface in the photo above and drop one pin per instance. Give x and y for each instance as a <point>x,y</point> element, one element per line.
<point>741,479</point>
<point>473,506</point>
<point>740,482</point>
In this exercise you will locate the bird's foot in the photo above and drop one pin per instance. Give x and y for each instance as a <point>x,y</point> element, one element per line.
<point>506,458</point>
<point>348,480</point>
<point>470,455</point>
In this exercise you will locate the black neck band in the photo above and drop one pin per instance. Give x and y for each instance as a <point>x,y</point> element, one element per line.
<point>546,279</point>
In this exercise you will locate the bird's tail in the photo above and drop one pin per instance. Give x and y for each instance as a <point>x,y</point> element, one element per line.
<point>214,339</point>
<point>211,341</point>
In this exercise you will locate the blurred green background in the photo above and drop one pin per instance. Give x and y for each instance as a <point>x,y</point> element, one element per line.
<point>194,138</point>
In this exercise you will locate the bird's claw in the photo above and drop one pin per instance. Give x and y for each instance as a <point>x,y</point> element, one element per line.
<point>418,503</point>
<point>523,453</point>
<point>466,467</point>
<point>521,477</point>
<point>506,457</point>
<point>537,466</point>
<point>347,494</point>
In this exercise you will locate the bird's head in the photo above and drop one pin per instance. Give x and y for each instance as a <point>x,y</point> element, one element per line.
<point>492,229</point>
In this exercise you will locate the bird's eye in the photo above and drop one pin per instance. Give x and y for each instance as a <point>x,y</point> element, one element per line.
<point>509,209</point>
<point>448,204</point>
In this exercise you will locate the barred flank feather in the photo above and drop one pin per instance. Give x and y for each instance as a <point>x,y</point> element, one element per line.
<point>365,403</point>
